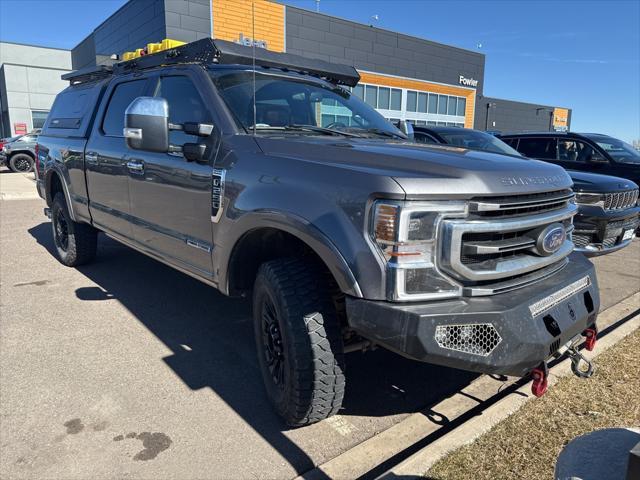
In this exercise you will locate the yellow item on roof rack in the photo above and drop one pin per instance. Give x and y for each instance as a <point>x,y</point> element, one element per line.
<point>152,48</point>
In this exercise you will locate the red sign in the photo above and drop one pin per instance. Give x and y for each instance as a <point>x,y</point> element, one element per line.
<point>20,128</point>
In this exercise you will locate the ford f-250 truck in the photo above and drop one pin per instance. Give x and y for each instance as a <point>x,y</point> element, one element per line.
<point>260,174</point>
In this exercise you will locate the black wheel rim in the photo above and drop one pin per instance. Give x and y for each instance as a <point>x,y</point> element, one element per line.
<point>61,230</point>
<point>272,342</point>
<point>22,164</point>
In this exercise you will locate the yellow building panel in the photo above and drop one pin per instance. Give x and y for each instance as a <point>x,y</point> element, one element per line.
<point>411,84</point>
<point>560,117</point>
<point>231,18</point>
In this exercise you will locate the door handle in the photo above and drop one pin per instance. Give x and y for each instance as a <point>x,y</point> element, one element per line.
<point>135,166</point>
<point>91,157</point>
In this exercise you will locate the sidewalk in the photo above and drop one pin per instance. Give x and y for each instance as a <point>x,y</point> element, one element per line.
<point>17,186</point>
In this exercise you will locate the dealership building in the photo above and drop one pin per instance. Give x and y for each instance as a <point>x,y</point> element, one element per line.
<point>402,76</point>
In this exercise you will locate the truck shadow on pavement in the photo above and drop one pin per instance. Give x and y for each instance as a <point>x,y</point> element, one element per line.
<point>211,337</point>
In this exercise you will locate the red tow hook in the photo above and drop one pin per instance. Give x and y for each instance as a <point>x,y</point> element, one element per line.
<point>539,376</point>
<point>592,338</point>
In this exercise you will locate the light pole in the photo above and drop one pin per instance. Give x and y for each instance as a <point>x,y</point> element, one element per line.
<point>490,105</point>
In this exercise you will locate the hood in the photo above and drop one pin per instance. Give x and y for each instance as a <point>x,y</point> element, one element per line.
<point>425,170</point>
<point>596,183</point>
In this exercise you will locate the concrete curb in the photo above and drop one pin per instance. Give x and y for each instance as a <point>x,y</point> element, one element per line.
<point>418,464</point>
<point>370,454</point>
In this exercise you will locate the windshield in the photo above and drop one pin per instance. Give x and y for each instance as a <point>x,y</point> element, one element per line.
<point>619,150</point>
<point>287,103</point>
<point>478,141</point>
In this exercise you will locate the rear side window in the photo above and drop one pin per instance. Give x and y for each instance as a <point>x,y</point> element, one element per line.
<point>72,110</point>
<point>122,96</point>
<point>544,148</point>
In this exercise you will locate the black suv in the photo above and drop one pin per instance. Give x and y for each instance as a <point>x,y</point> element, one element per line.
<point>587,152</point>
<point>608,212</point>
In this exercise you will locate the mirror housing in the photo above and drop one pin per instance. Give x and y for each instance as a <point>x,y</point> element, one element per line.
<point>146,124</point>
<point>406,127</point>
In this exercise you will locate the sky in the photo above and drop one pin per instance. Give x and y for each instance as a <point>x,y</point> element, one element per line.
<point>581,54</point>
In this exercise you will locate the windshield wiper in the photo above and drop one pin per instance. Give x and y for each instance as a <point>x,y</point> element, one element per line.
<point>314,128</point>
<point>306,128</point>
<point>385,133</point>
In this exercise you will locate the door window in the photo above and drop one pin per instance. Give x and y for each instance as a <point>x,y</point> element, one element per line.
<point>574,151</point>
<point>122,96</point>
<point>544,148</point>
<point>185,105</point>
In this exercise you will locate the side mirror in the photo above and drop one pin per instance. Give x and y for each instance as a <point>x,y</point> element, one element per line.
<point>406,128</point>
<point>146,124</point>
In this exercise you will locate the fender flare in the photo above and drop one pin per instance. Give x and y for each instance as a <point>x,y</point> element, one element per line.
<point>300,228</point>
<point>51,171</point>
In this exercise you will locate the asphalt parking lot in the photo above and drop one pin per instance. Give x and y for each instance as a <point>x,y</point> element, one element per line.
<point>126,368</point>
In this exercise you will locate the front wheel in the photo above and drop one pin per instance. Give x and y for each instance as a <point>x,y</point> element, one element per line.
<point>21,162</point>
<point>299,341</point>
<point>76,243</point>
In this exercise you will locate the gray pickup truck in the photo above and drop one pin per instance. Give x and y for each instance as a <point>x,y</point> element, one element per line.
<point>261,175</point>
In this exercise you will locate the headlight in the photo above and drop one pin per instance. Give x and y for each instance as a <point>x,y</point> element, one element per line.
<point>405,234</point>
<point>591,199</point>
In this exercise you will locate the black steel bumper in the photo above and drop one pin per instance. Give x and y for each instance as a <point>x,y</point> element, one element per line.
<point>598,232</point>
<point>458,333</point>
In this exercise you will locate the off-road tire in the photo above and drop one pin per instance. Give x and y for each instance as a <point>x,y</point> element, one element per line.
<point>313,382</point>
<point>81,239</point>
<point>18,163</point>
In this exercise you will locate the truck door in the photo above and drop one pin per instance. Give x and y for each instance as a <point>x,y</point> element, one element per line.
<point>106,157</point>
<point>171,197</point>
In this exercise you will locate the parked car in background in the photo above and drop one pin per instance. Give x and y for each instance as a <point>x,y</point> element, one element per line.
<point>587,152</point>
<point>19,153</point>
<point>609,211</point>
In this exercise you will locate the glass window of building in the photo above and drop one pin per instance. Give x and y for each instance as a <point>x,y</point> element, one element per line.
<point>451,106</point>
<point>396,99</point>
<point>422,102</point>
<point>38,118</point>
<point>462,105</point>
<point>412,99</point>
<point>383,98</point>
<point>433,103</point>
<point>442,104</point>
<point>431,122</point>
<point>371,95</point>
<point>358,91</point>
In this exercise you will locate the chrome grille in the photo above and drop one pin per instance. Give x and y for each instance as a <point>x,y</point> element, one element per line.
<point>620,200</point>
<point>498,239</point>
<point>520,205</point>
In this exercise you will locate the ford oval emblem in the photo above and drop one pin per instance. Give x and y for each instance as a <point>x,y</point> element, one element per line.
<point>551,239</point>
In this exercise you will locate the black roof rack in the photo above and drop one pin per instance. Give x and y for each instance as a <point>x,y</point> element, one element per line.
<point>207,50</point>
<point>88,74</point>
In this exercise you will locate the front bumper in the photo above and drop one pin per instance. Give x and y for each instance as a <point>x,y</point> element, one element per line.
<point>3,159</point>
<point>598,232</point>
<point>458,333</point>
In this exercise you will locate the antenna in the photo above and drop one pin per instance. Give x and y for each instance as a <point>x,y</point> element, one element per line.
<point>253,41</point>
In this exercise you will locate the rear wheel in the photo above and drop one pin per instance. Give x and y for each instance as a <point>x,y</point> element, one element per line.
<point>21,162</point>
<point>76,243</point>
<point>299,340</point>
